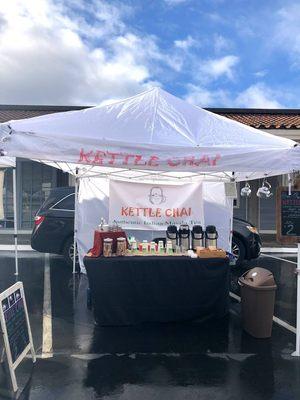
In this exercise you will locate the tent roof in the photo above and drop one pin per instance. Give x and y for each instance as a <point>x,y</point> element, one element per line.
<point>260,118</point>
<point>6,162</point>
<point>153,131</point>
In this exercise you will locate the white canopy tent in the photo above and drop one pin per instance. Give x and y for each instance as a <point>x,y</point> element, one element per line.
<point>153,135</point>
<point>7,162</point>
<point>10,162</point>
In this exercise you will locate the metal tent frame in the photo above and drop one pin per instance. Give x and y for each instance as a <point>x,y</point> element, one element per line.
<point>5,163</point>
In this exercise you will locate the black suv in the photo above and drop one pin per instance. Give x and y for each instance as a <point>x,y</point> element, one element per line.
<point>54,228</point>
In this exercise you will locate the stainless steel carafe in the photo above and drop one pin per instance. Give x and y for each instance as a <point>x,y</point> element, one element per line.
<point>211,236</point>
<point>172,234</point>
<point>197,237</point>
<point>184,237</point>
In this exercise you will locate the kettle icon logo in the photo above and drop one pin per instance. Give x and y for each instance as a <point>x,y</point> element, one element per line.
<point>156,196</point>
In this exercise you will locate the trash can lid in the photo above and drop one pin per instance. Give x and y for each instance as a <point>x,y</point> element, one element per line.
<point>258,278</point>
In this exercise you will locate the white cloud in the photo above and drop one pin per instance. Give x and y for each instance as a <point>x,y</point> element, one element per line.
<point>51,54</point>
<point>218,67</point>
<point>175,2</point>
<point>260,74</point>
<point>255,96</point>
<point>215,17</point>
<point>221,43</point>
<point>287,32</point>
<point>186,43</point>
<point>247,27</point>
<point>204,97</point>
<point>259,96</point>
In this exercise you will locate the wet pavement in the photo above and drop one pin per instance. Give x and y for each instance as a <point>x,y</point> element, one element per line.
<point>209,360</point>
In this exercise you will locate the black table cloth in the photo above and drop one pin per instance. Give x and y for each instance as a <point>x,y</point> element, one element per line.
<point>136,289</point>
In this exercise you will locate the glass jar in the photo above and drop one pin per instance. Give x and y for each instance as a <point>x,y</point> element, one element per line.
<point>121,246</point>
<point>107,247</point>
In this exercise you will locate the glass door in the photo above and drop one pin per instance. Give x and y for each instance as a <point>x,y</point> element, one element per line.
<point>34,181</point>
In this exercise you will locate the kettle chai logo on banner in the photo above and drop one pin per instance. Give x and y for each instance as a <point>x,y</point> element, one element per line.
<point>153,206</point>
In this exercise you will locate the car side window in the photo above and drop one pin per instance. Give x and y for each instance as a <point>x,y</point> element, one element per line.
<point>67,203</point>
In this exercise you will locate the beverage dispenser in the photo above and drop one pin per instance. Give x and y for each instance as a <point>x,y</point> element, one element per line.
<point>172,234</point>
<point>211,236</point>
<point>184,237</point>
<point>197,237</point>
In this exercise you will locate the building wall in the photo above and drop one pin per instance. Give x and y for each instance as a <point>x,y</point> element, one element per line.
<point>262,212</point>
<point>34,182</point>
<point>293,134</point>
<point>8,200</point>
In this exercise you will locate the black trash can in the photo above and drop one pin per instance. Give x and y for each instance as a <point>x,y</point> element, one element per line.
<point>258,289</point>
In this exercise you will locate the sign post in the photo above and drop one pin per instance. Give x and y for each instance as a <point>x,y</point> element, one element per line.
<point>297,352</point>
<point>288,232</point>
<point>15,328</point>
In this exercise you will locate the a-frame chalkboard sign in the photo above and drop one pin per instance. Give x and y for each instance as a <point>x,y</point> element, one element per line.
<point>288,215</point>
<point>15,328</point>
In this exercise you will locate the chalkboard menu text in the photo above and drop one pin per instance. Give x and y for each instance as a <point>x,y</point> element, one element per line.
<point>15,327</point>
<point>288,215</point>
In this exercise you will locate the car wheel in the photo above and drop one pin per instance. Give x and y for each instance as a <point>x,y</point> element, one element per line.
<point>68,253</point>
<point>238,250</point>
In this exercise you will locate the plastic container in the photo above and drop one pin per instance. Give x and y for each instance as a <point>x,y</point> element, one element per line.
<point>161,248</point>
<point>134,245</point>
<point>153,247</point>
<point>145,246</point>
<point>169,247</point>
<point>258,289</point>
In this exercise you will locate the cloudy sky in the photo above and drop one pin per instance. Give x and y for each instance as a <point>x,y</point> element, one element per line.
<point>217,53</point>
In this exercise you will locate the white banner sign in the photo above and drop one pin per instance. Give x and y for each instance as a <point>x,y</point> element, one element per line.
<point>154,206</point>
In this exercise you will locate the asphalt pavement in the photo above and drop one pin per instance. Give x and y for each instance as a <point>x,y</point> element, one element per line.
<point>209,360</point>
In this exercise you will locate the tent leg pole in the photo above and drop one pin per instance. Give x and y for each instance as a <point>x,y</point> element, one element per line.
<point>15,221</point>
<point>75,222</point>
<point>297,352</point>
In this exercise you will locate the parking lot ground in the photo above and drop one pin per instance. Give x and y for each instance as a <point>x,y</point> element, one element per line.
<point>209,360</point>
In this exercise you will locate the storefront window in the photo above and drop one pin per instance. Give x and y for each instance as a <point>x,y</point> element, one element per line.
<point>8,220</point>
<point>36,180</point>
<point>239,206</point>
<point>267,207</point>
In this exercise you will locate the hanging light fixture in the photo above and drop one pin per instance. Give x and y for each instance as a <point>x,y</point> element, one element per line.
<point>264,192</point>
<point>246,190</point>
